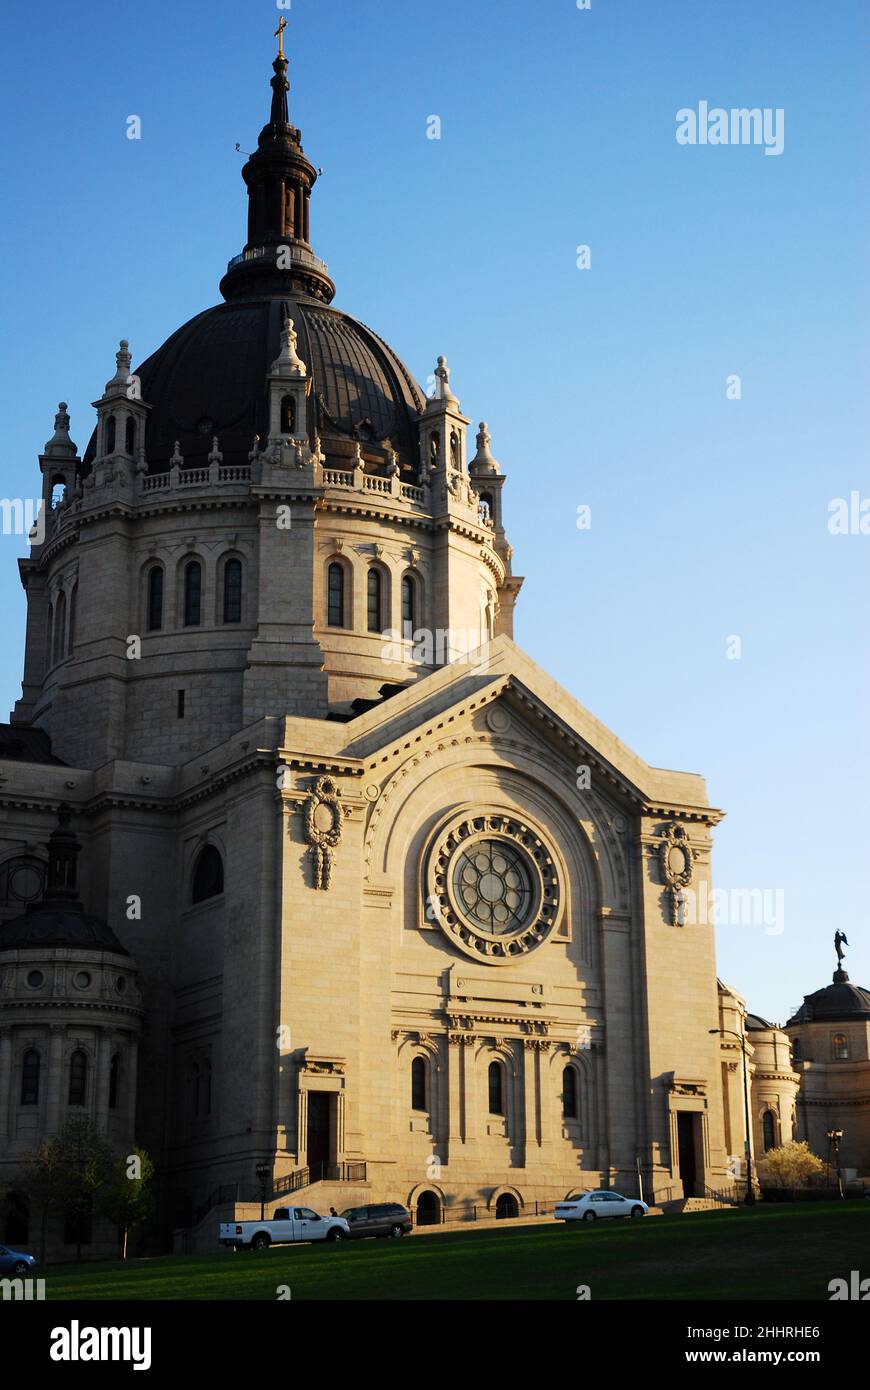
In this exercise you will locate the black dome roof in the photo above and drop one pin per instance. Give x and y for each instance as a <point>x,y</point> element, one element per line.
<point>52,924</point>
<point>840,1002</point>
<point>209,379</point>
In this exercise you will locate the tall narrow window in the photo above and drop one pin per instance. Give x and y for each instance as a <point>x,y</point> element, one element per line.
<point>233,591</point>
<point>155,599</point>
<point>418,1084</point>
<point>71,625</point>
<point>208,876</point>
<point>288,415</point>
<point>114,1080</point>
<point>375,601</point>
<point>569,1093</point>
<point>841,1047</point>
<point>110,435</point>
<point>30,1078</point>
<point>409,604</point>
<point>59,626</point>
<point>78,1077</point>
<point>130,436</point>
<point>192,594</point>
<point>768,1127</point>
<point>335,596</point>
<point>496,1088</point>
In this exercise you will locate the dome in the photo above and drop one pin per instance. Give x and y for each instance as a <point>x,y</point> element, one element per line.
<point>209,379</point>
<point>59,925</point>
<point>840,1002</point>
<point>756,1024</point>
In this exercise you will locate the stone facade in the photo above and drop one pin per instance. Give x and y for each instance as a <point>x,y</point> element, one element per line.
<point>397,910</point>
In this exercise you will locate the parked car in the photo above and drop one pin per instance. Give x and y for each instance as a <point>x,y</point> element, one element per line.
<point>15,1261</point>
<point>387,1219</point>
<point>286,1226</point>
<point>595,1206</point>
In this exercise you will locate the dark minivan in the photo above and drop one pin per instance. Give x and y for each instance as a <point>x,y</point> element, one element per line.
<point>388,1219</point>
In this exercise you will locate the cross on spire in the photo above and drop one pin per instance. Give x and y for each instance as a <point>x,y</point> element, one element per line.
<point>279,35</point>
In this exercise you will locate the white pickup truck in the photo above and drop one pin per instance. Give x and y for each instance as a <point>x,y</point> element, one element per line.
<point>287,1225</point>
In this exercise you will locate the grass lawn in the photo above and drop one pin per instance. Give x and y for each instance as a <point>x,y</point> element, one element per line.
<point>778,1252</point>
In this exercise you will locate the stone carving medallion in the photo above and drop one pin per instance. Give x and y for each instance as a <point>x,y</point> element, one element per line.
<point>323,826</point>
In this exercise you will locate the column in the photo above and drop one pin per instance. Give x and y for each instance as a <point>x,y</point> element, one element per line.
<point>101,1089</point>
<point>549,1129</point>
<point>5,1081</point>
<point>55,1079</point>
<point>129,1074</point>
<point>530,1101</point>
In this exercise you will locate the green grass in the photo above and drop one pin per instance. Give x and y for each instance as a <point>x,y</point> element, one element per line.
<point>779,1252</point>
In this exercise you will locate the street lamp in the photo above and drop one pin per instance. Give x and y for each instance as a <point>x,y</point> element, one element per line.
<point>749,1199</point>
<point>263,1170</point>
<point>834,1138</point>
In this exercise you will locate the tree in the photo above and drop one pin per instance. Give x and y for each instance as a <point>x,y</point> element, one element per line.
<point>126,1197</point>
<point>86,1162</point>
<point>43,1182</point>
<point>792,1166</point>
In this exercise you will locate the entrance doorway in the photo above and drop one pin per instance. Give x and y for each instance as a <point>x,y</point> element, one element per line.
<point>320,1145</point>
<point>428,1209</point>
<point>687,1125</point>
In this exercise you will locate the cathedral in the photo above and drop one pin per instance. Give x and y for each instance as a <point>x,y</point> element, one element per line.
<point>310,879</point>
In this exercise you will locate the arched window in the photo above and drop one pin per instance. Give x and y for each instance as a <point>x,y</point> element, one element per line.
<point>419,1097</point>
<point>768,1130</point>
<point>797,1050</point>
<point>507,1207</point>
<point>841,1047</point>
<point>114,1080</point>
<point>428,1209</point>
<point>59,627</point>
<point>496,1088</point>
<point>288,415</point>
<point>192,593</point>
<point>78,1077</point>
<point>58,493</point>
<point>409,605</point>
<point>485,506</point>
<point>155,598</point>
<point>375,600</point>
<point>130,436</point>
<point>569,1093</point>
<point>49,633</point>
<point>335,596</point>
<point>30,1068</point>
<point>233,591</point>
<point>208,876</point>
<point>110,435</point>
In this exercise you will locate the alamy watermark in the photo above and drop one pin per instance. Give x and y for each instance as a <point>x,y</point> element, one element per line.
<point>741,125</point>
<point>23,517</point>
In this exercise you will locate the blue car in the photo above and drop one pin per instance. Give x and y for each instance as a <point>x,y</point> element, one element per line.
<point>14,1262</point>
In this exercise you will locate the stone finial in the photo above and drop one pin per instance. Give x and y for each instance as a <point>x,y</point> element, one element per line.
<point>121,379</point>
<point>442,381</point>
<point>483,461</point>
<point>177,459</point>
<point>215,456</point>
<point>60,441</point>
<point>288,362</point>
<point>254,452</point>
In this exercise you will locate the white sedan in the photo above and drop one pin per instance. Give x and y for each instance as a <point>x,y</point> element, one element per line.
<point>595,1206</point>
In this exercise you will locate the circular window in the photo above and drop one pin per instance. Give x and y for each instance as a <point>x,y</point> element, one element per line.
<point>81,979</point>
<point>492,886</point>
<point>36,979</point>
<point>120,984</point>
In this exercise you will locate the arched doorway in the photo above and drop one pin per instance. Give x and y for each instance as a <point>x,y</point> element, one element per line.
<point>428,1209</point>
<point>506,1207</point>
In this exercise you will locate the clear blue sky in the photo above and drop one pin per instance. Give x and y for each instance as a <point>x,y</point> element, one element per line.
<point>603,387</point>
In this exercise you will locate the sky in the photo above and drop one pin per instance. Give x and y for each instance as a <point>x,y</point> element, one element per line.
<point>707,614</point>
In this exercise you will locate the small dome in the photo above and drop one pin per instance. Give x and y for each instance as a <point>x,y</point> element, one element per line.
<point>756,1024</point>
<point>209,378</point>
<point>59,925</point>
<point>840,1002</point>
